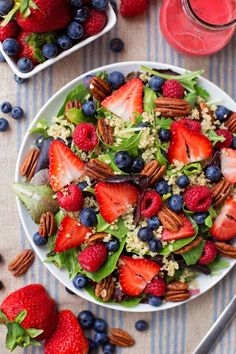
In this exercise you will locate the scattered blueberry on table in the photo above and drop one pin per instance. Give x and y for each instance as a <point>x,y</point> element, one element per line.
<point>141,325</point>
<point>4,125</point>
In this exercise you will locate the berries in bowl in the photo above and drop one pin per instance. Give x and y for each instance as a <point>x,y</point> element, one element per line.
<point>139,213</point>
<point>39,34</point>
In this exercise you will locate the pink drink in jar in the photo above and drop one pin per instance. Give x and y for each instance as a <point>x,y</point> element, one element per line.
<point>198,27</point>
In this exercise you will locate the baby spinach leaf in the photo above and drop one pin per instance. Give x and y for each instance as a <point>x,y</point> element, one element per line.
<point>120,231</point>
<point>41,128</point>
<point>67,259</point>
<point>217,265</point>
<point>148,99</point>
<point>192,256</point>
<point>160,157</point>
<point>79,93</point>
<point>176,245</point>
<point>102,225</point>
<point>76,116</point>
<point>59,216</point>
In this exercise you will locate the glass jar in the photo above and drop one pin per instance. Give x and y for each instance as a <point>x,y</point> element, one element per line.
<point>198,27</point>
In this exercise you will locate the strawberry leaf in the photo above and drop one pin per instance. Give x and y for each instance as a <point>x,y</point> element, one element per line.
<point>191,257</point>
<point>33,332</point>
<point>21,316</point>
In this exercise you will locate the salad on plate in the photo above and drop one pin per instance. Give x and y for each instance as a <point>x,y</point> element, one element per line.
<point>132,186</point>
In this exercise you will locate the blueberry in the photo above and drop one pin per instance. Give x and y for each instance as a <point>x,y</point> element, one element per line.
<point>6,107</point>
<point>39,240</point>
<point>122,159</point>
<point>154,301</point>
<point>199,218</point>
<point>50,50</point>
<point>100,325</point>
<point>17,112</point>
<point>82,185</point>
<point>155,245</point>
<point>182,181</point>
<point>2,59</point>
<point>175,203</point>
<point>25,65</point>
<point>10,46</point>
<point>101,338</point>
<point>222,113</point>
<point>99,5</point>
<point>145,234</point>
<point>233,145</point>
<point>87,79</point>
<point>43,159</point>
<point>76,3</point>
<point>4,125</point>
<point>75,30</point>
<point>92,345</point>
<point>88,217</point>
<point>18,79</point>
<point>141,325</point>
<point>69,291</point>
<point>162,187</point>
<point>89,108</point>
<point>164,134</point>
<point>153,223</point>
<point>79,281</point>
<point>137,165</point>
<point>117,45</point>
<point>81,15</point>
<point>86,319</point>
<point>213,173</point>
<point>155,83</point>
<point>5,7</point>
<point>109,348</point>
<point>143,125</point>
<point>64,42</point>
<point>116,79</point>
<point>39,141</point>
<point>113,245</point>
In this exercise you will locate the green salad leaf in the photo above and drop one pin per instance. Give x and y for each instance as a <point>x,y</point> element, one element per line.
<point>217,265</point>
<point>192,256</point>
<point>213,137</point>
<point>202,92</point>
<point>193,168</point>
<point>148,99</point>
<point>59,217</point>
<point>208,221</point>
<point>191,97</point>
<point>128,144</point>
<point>79,93</point>
<point>76,116</point>
<point>163,123</point>
<point>41,128</point>
<point>109,157</point>
<point>67,259</point>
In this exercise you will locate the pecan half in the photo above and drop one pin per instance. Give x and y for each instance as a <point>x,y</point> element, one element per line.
<point>177,291</point>
<point>169,219</point>
<point>106,131</point>
<point>98,170</point>
<point>120,338</point>
<point>172,107</point>
<point>231,122</point>
<point>204,106</point>
<point>190,246</point>
<point>21,263</point>
<point>177,285</point>
<point>72,104</point>
<point>29,165</point>
<point>177,297</point>
<point>154,171</point>
<point>220,192</point>
<point>225,249</point>
<point>99,88</point>
<point>47,224</point>
<point>105,288</point>
<point>99,236</point>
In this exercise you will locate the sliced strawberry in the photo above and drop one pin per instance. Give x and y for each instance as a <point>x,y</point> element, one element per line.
<point>64,165</point>
<point>228,164</point>
<point>135,274</point>
<point>187,145</point>
<point>127,100</point>
<point>186,230</point>
<point>224,226</point>
<point>71,234</point>
<point>114,199</point>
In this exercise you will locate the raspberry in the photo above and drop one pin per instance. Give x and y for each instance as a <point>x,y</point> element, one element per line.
<point>172,89</point>
<point>191,124</point>
<point>95,22</point>
<point>198,198</point>
<point>228,139</point>
<point>157,287</point>
<point>70,198</point>
<point>93,256</point>
<point>85,136</point>
<point>132,7</point>
<point>209,253</point>
<point>151,204</point>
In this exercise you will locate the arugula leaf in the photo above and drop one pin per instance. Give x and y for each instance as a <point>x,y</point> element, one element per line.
<point>163,123</point>
<point>191,98</point>
<point>192,256</point>
<point>109,157</point>
<point>67,259</point>
<point>79,93</point>
<point>128,144</point>
<point>217,265</point>
<point>109,266</point>
<point>193,168</point>
<point>202,92</point>
<point>213,137</point>
<point>148,99</point>
<point>41,128</point>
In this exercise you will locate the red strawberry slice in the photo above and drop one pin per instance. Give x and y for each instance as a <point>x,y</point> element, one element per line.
<point>224,226</point>
<point>228,164</point>
<point>187,145</point>
<point>71,234</point>
<point>64,165</point>
<point>114,199</point>
<point>186,230</point>
<point>127,100</point>
<point>135,274</point>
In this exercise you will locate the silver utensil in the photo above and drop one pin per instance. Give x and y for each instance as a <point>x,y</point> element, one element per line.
<point>216,331</point>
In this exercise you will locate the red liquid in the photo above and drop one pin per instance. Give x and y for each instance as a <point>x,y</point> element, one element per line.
<point>190,38</point>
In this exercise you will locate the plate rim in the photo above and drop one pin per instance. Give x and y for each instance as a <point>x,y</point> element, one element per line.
<point>140,308</point>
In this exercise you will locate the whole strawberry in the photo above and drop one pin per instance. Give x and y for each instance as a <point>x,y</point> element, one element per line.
<point>10,30</point>
<point>30,315</point>
<point>130,8</point>
<point>68,337</point>
<point>95,22</point>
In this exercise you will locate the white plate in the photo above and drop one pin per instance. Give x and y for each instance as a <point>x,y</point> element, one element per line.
<point>111,21</point>
<point>50,109</point>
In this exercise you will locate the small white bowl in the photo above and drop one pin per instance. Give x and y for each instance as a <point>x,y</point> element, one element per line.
<point>111,21</point>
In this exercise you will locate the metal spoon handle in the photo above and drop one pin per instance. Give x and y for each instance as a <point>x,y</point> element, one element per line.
<point>217,329</point>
